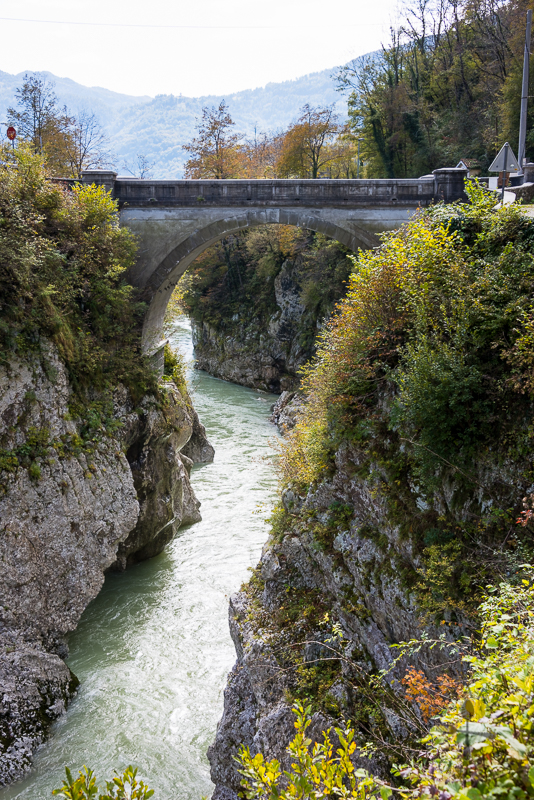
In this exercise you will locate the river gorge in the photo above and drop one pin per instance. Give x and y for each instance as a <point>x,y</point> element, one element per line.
<point>152,651</point>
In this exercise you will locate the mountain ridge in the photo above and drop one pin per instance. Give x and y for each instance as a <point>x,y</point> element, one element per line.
<point>157,127</point>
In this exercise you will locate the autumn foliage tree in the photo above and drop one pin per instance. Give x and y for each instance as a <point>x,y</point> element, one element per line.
<point>259,156</point>
<point>215,151</point>
<point>316,145</point>
<point>69,144</point>
<point>304,148</point>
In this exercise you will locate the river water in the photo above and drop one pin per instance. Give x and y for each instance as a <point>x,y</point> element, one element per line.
<point>152,651</point>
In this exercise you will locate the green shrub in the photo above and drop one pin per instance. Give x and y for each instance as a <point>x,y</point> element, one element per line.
<point>174,368</point>
<point>481,745</point>
<point>63,257</point>
<point>123,786</point>
<point>34,471</point>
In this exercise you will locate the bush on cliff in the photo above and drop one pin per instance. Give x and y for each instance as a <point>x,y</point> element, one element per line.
<point>426,368</point>
<point>174,369</point>
<point>123,786</point>
<point>481,745</point>
<point>63,258</point>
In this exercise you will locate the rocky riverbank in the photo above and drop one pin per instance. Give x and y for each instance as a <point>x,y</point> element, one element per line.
<point>71,508</point>
<point>331,581</point>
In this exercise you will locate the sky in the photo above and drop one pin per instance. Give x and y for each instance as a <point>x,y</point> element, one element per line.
<point>189,47</point>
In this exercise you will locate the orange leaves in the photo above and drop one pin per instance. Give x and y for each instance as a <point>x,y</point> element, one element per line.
<point>526,515</point>
<point>303,150</point>
<point>214,152</point>
<point>431,698</point>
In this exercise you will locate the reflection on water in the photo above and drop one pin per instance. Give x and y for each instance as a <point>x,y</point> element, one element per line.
<point>153,650</point>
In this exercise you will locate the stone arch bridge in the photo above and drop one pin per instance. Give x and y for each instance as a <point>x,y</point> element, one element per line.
<point>174,221</point>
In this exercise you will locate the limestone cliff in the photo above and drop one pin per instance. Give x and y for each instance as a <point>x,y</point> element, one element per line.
<point>324,571</point>
<point>255,352</point>
<point>72,507</point>
<point>403,479</point>
<point>257,301</point>
<point>285,411</point>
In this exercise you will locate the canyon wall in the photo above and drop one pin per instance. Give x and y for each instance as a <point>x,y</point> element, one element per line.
<point>72,507</point>
<point>330,596</point>
<point>257,301</point>
<point>405,471</point>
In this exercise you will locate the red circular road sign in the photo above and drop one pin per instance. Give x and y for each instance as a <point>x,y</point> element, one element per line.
<point>11,133</point>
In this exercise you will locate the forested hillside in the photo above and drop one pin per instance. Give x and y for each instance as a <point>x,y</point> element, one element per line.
<point>447,86</point>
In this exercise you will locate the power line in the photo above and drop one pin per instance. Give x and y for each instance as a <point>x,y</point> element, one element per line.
<point>177,27</point>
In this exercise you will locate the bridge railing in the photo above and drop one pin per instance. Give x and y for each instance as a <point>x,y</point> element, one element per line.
<point>442,184</point>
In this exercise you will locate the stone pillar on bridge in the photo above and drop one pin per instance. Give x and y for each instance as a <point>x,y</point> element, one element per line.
<point>449,184</point>
<point>100,177</point>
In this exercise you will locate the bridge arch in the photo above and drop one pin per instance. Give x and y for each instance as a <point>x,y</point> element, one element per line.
<point>159,276</point>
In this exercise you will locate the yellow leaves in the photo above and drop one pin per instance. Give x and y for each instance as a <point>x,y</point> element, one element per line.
<point>526,684</point>
<point>315,771</point>
<point>474,709</point>
<point>303,452</point>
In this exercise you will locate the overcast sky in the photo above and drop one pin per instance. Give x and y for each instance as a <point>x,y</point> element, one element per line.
<point>230,44</point>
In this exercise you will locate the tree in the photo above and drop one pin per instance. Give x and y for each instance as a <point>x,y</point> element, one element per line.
<point>341,156</point>
<point>69,144</point>
<point>86,144</point>
<point>303,148</point>
<point>38,117</point>
<point>142,168</point>
<point>447,86</point>
<point>258,156</point>
<point>214,153</point>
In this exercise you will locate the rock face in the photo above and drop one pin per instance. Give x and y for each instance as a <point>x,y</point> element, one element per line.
<point>61,524</point>
<point>198,450</point>
<point>154,439</point>
<point>260,353</point>
<point>285,411</point>
<point>331,565</point>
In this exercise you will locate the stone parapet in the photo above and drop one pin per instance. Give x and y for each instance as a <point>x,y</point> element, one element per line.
<point>443,184</point>
<point>449,184</point>
<point>100,177</point>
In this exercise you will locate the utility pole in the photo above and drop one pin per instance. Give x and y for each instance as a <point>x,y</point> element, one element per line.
<point>504,174</point>
<point>524,95</point>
